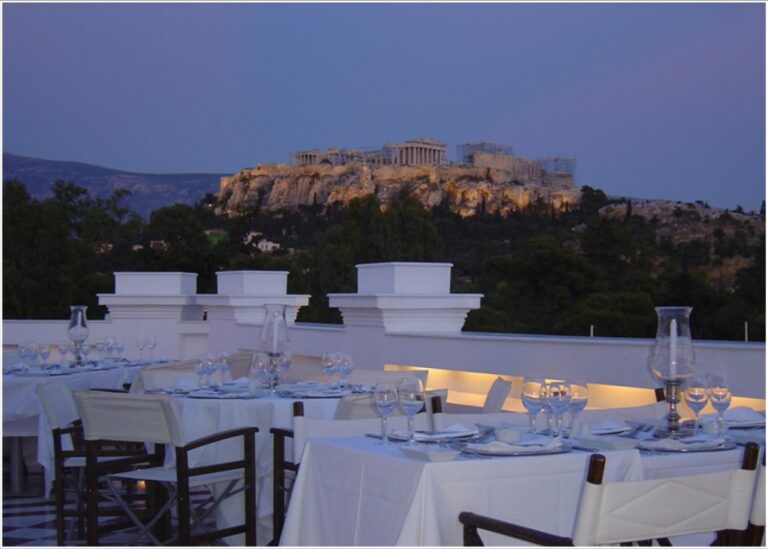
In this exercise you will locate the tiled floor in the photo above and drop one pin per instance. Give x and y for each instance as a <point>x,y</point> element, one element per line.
<point>28,518</point>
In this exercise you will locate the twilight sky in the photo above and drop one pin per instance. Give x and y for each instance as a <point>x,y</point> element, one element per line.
<point>654,100</point>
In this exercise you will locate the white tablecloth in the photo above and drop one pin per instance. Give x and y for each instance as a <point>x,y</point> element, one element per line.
<point>202,417</point>
<point>23,414</point>
<point>353,492</point>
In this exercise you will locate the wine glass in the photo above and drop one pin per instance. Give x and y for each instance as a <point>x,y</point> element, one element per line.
<point>719,395</point>
<point>65,347</point>
<point>328,364</point>
<point>141,344</point>
<point>385,397</point>
<point>224,366</point>
<point>557,397</point>
<point>344,367</point>
<point>44,351</point>
<point>579,397</point>
<point>530,394</point>
<point>204,368</point>
<point>151,344</point>
<point>411,392</point>
<point>696,396</point>
<point>119,346</point>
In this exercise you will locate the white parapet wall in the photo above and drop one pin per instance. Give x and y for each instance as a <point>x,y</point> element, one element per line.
<point>403,315</point>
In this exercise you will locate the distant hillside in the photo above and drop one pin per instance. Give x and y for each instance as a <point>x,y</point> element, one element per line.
<point>148,191</point>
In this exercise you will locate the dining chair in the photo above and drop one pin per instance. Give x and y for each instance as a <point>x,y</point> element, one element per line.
<point>154,419</point>
<point>497,394</point>
<point>646,510</point>
<point>164,375</point>
<point>756,529</point>
<point>70,458</point>
<point>285,466</point>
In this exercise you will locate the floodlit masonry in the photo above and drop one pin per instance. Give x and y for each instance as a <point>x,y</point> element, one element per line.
<point>549,172</point>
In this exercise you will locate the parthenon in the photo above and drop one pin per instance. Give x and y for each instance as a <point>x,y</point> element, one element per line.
<point>415,152</point>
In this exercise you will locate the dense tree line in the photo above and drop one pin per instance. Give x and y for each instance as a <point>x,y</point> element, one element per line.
<point>541,271</point>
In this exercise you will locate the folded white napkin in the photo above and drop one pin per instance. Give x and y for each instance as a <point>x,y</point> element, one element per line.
<point>185,384</point>
<point>608,426</point>
<point>698,442</point>
<point>534,445</point>
<point>737,415</point>
<point>454,431</point>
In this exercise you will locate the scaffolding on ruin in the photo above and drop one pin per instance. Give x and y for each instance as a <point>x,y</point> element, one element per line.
<point>466,151</point>
<point>558,164</point>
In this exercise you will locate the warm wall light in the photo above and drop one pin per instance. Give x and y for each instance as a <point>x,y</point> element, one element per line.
<point>470,389</point>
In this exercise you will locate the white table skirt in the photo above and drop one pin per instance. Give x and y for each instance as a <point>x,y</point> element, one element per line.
<point>352,492</point>
<point>23,413</point>
<point>202,417</point>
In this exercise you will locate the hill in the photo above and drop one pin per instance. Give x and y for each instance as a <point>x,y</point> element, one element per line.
<point>148,191</point>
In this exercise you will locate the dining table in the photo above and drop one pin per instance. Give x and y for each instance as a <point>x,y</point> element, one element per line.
<point>204,413</point>
<point>355,491</point>
<point>23,414</point>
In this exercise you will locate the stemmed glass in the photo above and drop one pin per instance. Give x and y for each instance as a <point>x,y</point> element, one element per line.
<point>385,397</point>
<point>141,343</point>
<point>224,366</point>
<point>530,394</point>
<point>204,368</point>
<point>65,347</point>
<point>411,393</point>
<point>328,364</point>
<point>151,344</point>
<point>44,351</point>
<point>119,346</point>
<point>557,397</point>
<point>719,395</point>
<point>344,367</point>
<point>579,397</point>
<point>696,396</point>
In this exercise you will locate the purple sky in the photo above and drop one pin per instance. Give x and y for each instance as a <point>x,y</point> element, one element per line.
<point>654,100</point>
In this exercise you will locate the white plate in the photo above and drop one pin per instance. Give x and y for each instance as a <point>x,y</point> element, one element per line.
<point>429,453</point>
<point>530,451</point>
<point>329,393</point>
<point>220,396</point>
<point>436,436</point>
<point>728,445</point>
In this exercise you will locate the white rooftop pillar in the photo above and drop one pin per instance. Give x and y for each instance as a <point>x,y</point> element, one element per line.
<point>152,303</point>
<point>405,297</point>
<point>241,299</point>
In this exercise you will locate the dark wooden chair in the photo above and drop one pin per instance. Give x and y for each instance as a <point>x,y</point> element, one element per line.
<point>756,528</point>
<point>154,419</point>
<point>601,520</point>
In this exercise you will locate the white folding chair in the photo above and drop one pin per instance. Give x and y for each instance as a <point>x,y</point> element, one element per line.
<point>621,512</point>
<point>163,376</point>
<point>497,394</point>
<point>154,419</point>
<point>69,464</point>
<point>445,420</point>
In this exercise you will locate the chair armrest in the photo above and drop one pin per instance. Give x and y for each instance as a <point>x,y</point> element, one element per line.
<point>472,522</point>
<point>216,437</point>
<point>279,431</point>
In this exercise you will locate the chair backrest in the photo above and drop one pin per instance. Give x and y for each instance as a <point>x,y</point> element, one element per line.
<point>361,376</point>
<point>58,403</point>
<point>617,512</point>
<point>445,420</point>
<point>240,364</point>
<point>497,394</point>
<point>129,417</point>
<point>164,375</point>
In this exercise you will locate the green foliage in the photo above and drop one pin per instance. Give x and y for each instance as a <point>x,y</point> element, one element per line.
<point>540,272</point>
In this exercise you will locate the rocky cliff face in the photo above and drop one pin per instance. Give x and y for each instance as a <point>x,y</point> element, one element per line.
<point>466,190</point>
